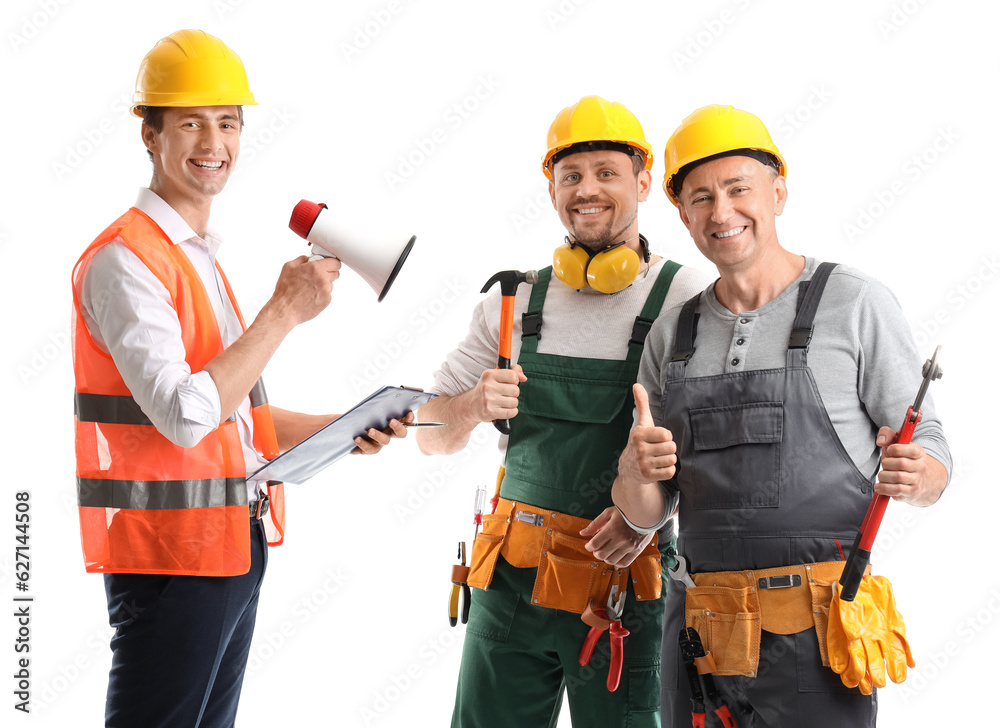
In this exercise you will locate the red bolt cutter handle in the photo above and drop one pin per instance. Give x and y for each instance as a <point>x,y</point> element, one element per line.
<point>726,717</point>
<point>857,562</point>
<point>854,569</point>
<point>873,519</point>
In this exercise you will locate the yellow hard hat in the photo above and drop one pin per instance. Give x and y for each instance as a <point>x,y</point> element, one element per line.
<point>714,130</point>
<point>592,119</point>
<point>191,68</point>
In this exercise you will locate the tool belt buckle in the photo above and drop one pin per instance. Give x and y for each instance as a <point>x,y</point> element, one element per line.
<point>785,581</point>
<point>534,519</point>
<point>259,508</point>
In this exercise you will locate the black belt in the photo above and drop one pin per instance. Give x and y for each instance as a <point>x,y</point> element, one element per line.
<point>258,508</point>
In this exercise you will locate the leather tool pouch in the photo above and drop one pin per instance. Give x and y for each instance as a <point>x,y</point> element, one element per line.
<point>569,576</point>
<point>730,608</point>
<point>728,621</point>
<point>486,550</point>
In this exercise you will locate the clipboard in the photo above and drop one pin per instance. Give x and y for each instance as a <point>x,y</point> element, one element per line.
<point>328,444</point>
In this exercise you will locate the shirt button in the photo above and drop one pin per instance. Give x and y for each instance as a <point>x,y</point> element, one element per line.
<point>744,321</point>
<point>739,342</point>
<point>734,362</point>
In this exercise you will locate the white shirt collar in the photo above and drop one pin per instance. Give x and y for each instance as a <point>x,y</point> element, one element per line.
<point>177,230</point>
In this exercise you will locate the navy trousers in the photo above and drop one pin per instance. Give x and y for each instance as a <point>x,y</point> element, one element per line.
<point>181,645</point>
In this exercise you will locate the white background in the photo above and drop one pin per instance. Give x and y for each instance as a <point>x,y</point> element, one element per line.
<point>885,111</point>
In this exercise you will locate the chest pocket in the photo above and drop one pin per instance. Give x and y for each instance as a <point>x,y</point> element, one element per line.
<point>736,461</point>
<point>576,427</point>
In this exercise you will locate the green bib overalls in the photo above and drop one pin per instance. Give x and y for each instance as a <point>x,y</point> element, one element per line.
<point>574,416</point>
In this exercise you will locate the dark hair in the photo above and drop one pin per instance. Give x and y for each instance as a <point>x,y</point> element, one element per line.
<point>638,158</point>
<point>766,158</point>
<point>152,116</point>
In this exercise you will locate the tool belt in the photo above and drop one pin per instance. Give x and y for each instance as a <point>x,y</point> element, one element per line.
<point>569,576</point>
<point>730,608</point>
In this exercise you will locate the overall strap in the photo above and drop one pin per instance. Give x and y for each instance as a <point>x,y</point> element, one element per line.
<point>651,309</point>
<point>810,293</point>
<point>687,329</point>
<point>531,321</point>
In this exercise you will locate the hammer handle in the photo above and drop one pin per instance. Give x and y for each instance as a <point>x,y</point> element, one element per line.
<point>506,335</point>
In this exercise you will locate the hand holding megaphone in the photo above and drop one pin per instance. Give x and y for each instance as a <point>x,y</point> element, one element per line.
<point>377,263</point>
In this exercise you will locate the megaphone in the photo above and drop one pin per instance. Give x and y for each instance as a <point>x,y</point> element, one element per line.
<point>377,263</point>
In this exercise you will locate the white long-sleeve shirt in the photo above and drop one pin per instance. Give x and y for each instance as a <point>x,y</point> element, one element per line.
<point>129,314</point>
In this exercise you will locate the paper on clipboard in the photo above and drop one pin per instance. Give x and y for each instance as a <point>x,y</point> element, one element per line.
<point>329,444</point>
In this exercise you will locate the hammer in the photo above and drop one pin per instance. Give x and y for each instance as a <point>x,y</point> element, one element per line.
<point>509,281</point>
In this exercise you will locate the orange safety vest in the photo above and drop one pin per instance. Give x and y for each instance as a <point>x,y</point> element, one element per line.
<point>148,506</point>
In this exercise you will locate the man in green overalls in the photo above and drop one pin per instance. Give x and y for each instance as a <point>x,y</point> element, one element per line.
<point>556,545</point>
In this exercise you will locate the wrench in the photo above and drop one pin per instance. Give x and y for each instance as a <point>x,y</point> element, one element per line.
<point>681,572</point>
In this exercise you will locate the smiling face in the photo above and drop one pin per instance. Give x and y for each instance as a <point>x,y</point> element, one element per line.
<point>597,196</point>
<point>729,205</point>
<point>193,154</point>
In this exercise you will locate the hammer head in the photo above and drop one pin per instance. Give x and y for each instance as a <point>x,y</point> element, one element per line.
<point>510,280</point>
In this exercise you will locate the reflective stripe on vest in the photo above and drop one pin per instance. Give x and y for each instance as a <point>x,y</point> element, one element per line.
<point>146,504</point>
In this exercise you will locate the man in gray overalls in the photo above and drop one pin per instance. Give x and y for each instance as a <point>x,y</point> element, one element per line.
<point>556,545</point>
<point>769,400</point>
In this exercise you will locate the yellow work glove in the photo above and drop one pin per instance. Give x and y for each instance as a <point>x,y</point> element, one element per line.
<point>867,638</point>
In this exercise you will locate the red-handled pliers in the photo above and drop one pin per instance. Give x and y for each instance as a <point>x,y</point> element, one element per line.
<point>613,613</point>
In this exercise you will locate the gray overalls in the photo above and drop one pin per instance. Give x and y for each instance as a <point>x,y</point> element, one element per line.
<point>764,482</point>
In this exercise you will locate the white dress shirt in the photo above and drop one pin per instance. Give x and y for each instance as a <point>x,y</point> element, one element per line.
<point>130,315</point>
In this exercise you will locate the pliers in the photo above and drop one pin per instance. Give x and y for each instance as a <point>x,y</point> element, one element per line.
<point>692,651</point>
<point>459,577</point>
<point>613,613</point>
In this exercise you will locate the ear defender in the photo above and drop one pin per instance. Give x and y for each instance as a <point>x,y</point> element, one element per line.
<point>569,263</point>
<point>608,271</point>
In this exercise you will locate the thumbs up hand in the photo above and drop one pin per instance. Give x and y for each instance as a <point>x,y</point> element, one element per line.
<point>650,453</point>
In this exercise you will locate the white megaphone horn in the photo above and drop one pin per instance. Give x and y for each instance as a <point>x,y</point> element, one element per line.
<point>377,263</point>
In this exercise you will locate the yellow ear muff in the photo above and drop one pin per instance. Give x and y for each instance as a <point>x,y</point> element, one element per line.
<point>613,270</point>
<point>569,263</point>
